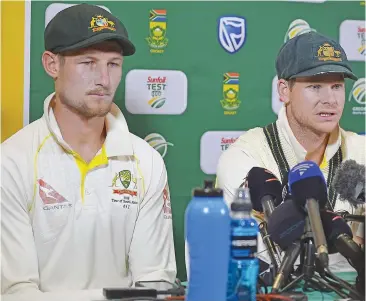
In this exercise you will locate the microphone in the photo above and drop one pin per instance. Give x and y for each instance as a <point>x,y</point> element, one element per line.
<point>309,191</point>
<point>288,261</point>
<point>349,182</point>
<point>351,217</point>
<point>286,224</point>
<point>265,194</point>
<point>265,190</point>
<point>339,237</point>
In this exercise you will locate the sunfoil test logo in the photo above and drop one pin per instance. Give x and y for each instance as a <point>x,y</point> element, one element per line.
<point>232,33</point>
<point>156,87</point>
<point>358,94</point>
<point>159,143</point>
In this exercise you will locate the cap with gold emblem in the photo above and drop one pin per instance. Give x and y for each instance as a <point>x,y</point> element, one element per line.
<point>83,25</point>
<point>310,54</point>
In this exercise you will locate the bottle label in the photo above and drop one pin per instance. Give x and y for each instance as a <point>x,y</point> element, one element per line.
<point>244,246</point>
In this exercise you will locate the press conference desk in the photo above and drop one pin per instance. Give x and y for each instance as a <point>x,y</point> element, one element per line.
<point>97,295</point>
<point>350,277</point>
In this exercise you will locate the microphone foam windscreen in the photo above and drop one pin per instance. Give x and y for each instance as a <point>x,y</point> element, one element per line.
<point>348,176</point>
<point>307,181</point>
<point>286,224</point>
<point>262,182</point>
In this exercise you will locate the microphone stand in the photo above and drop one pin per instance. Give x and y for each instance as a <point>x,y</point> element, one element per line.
<point>308,268</point>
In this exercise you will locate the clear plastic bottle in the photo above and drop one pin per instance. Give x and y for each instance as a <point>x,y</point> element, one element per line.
<point>243,262</point>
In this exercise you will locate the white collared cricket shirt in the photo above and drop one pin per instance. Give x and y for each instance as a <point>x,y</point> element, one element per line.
<point>72,225</point>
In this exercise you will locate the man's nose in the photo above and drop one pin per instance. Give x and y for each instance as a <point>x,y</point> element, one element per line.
<point>329,96</point>
<point>102,77</point>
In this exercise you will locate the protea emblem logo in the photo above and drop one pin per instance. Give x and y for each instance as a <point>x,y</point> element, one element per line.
<point>159,143</point>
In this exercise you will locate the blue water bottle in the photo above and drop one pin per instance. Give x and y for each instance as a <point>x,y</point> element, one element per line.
<point>243,263</point>
<point>207,231</point>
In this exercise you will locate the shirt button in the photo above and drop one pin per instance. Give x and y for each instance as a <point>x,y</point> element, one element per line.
<point>87,192</point>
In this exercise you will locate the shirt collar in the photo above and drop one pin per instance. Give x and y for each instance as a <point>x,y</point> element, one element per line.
<point>334,141</point>
<point>118,141</point>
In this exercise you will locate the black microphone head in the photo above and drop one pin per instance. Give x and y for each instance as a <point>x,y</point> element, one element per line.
<point>262,182</point>
<point>349,181</point>
<point>286,224</point>
<point>333,226</point>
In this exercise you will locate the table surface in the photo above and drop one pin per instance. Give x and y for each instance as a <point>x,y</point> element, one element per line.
<point>350,277</point>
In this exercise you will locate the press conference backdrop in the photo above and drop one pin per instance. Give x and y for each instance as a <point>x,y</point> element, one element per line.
<point>204,73</point>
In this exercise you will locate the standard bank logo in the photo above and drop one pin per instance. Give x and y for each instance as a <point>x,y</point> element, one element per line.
<point>159,143</point>
<point>232,33</point>
<point>358,94</point>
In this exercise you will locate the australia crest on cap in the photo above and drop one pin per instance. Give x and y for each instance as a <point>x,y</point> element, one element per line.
<point>98,23</point>
<point>327,52</point>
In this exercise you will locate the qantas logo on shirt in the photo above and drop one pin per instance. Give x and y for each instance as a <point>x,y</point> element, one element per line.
<point>48,194</point>
<point>51,199</point>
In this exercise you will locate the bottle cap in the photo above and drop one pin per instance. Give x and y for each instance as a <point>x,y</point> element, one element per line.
<point>208,191</point>
<point>242,200</point>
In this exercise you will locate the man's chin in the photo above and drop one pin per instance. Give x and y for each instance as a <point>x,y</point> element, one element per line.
<point>326,128</point>
<point>100,111</point>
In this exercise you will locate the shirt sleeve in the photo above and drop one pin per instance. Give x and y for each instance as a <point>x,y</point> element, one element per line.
<point>151,254</point>
<point>232,169</point>
<point>19,269</point>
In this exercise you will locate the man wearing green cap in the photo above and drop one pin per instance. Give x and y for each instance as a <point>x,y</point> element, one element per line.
<point>311,70</point>
<point>85,203</point>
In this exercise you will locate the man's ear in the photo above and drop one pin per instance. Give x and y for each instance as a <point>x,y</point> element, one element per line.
<point>51,63</point>
<point>283,88</point>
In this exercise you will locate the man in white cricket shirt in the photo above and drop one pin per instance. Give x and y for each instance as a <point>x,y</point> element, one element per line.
<point>311,70</point>
<point>85,203</point>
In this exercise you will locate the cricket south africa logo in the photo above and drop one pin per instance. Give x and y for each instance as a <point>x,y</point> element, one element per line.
<point>358,95</point>
<point>157,39</point>
<point>159,143</point>
<point>230,90</point>
<point>232,33</point>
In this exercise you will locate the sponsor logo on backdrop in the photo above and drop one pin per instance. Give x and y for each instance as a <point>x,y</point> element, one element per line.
<point>230,90</point>
<point>232,33</point>
<point>276,103</point>
<point>55,8</point>
<point>358,95</point>
<point>160,92</point>
<point>212,144</point>
<point>156,87</point>
<point>158,142</point>
<point>352,39</point>
<point>157,39</point>
<point>297,27</point>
